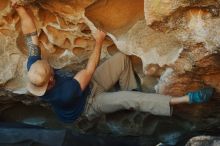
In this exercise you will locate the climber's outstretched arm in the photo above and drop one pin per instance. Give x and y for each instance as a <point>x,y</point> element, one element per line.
<point>85,75</point>
<point>30,32</point>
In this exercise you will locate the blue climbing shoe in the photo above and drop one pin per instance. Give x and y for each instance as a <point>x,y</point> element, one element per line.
<point>200,96</point>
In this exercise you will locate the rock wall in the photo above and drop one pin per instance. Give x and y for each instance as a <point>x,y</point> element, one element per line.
<point>176,42</point>
<point>203,141</point>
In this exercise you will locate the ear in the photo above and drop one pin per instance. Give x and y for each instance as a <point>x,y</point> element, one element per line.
<point>51,78</point>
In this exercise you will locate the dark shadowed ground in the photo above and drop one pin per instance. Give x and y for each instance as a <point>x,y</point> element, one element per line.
<point>24,123</point>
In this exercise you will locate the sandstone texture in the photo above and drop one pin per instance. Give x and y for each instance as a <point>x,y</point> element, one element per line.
<point>174,44</point>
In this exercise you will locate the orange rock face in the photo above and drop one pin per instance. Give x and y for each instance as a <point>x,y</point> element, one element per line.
<point>176,41</point>
<point>115,16</point>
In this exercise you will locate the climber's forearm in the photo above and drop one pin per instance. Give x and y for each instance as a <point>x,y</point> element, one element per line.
<point>85,75</point>
<point>30,32</point>
<point>27,23</point>
<point>94,58</point>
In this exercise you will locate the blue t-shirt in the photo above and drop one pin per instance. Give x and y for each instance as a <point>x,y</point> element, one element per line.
<point>66,97</point>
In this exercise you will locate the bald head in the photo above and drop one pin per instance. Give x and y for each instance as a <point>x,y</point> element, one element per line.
<point>39,76</point>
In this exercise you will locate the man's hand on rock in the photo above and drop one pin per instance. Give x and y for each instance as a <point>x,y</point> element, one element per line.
<point>15,3</point>
<point>100,36</point>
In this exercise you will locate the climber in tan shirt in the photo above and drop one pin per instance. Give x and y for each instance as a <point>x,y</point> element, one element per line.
<point>87,92</point>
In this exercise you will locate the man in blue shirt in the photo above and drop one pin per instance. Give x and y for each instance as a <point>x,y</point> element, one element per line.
<point>66,94</point>
<point>71,96</point>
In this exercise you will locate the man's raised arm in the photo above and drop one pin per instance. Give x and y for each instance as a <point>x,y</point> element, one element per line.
<point>84,76</point>
<point>27,23</point>
<point>30,32</point>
